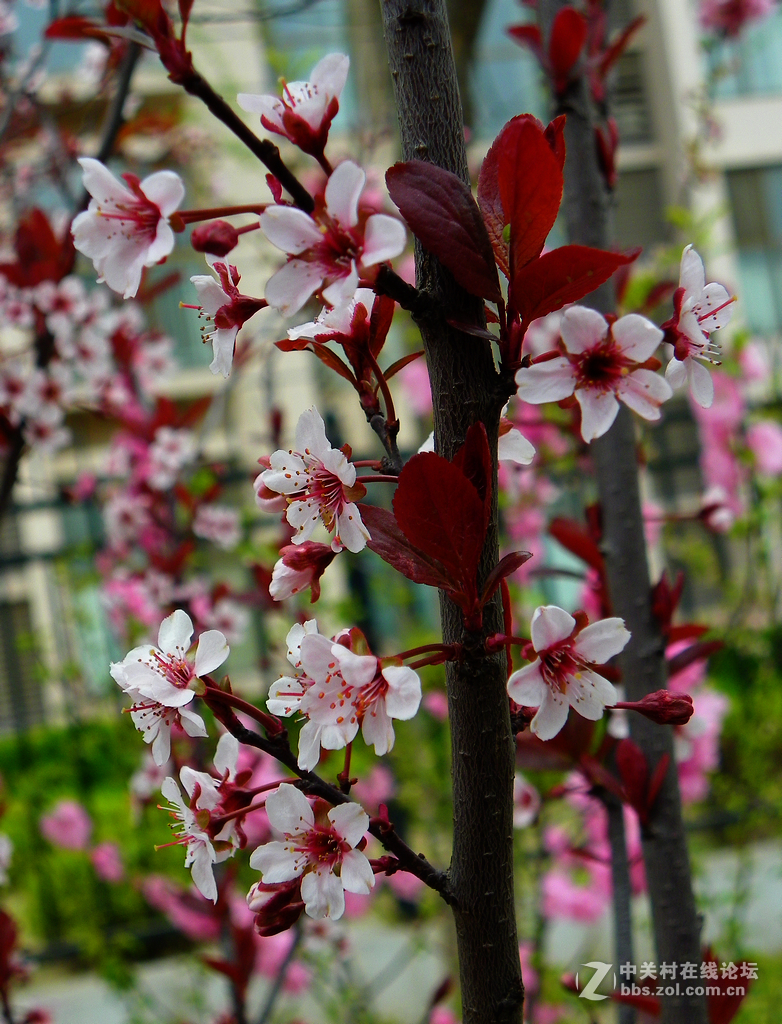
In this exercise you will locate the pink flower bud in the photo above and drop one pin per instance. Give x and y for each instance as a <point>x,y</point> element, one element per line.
<point>216,237</point>
<point>663,707</point>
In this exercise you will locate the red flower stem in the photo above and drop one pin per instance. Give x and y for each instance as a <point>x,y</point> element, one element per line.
<point>493,643</point>
<point>427,649</point>
<point>344,776</point>
<point>248,227</point>
<point>240,812</point>
<point>367,463</point>
<point>269,722</point>
<point>191,216</point>
<point>323,160</point>
<point>433,659</point>
<point>377,478</point>
<point>391,420</point>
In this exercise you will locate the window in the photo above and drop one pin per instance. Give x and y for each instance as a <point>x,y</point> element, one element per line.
<point>629,103</point>
<point>639,217</point>
<point>756,206</point>
<point>750,65</point>
<point>21,705</point>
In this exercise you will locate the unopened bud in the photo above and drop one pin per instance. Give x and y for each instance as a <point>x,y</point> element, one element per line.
<point>216,237</point>
<point>662,706</point>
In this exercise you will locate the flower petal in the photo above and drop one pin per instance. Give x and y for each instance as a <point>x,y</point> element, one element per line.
<point>644,391</point>
<point>342,193</point>
<point>636,336</point>
<point>692,276</point>
<point>550,625</point>
<point>588,692</point>
<point>323,895</point>
<point>384,238</point>
<point>701,384</point>
<point>289,811</point>
<point>514,447</point>
<point>211,652</point>
<point>676,373</point>
<point>227,754</point>
<point>582,328</point>
<point>602,640</point>
<point>276,862</point>
<point>598,412</point>
<point>357,874</point>
<point>526,685</point>
<point>350,821</point>
<point>357,669</point>
<point>165,189</point>
<point>292,285</point>
<point>551,716</point>
<point>175,633</point>
<point>290,229</point>
<point>549,381</point>
<point>404,692</point>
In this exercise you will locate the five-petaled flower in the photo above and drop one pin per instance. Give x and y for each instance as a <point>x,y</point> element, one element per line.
<point>602,363</point>
<point>318,483</point>
<point>699,309</point>
<point>306,109</point>
<point>126,227</point>
<point>563,674</point>
<point>339,690</point>
<point>189,823</point>
<point>323,855</point>
<point>225,310</point>
<point>160,680</point>
<point>327,250</point>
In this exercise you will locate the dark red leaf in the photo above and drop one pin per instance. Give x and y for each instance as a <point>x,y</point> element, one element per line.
<point>395,367</point>
<point>568,35</point>
<point>528,35</point>
<point>600,775</point>
<point>490,204</point>
<point>441,512</point>
<point>565,275</point>
<point>74,26</point>
<point>698,651</point>
<point>332,360</point>
<point>555,134</point>
<point>687,631</point>
<point>657,779</point>
<point>388,541</point>
<point>380,317</point>
<point>617,48</point>
<point>530,182</point>
<point>634,773</point>
<point>474,460</point>
<point>442,213</point>
<point>507,564</point>
<point>574,537</point>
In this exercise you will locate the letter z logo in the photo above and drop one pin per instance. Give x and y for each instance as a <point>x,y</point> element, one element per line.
<point>590,989</point>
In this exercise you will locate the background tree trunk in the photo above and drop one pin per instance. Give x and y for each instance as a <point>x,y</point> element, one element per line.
<point>676,922</point>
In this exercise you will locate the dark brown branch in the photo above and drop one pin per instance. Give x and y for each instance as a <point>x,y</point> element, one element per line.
<point>621,891</point>
<point>266,151</point>
<point>313,785</point>
<point>676,922</point>
<point>464,391</point>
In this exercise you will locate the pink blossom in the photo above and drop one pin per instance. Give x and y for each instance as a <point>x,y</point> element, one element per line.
<point>406,887</point>
<point>126,227</point>
<point>699,309</point>
<point>67,825</point>
<point>562,674</point>
<point>602,363</point>
<point>728,17</point>
<point>218,523</point>
<point>185,911</point>
<point>225,310</point>
<point>526,802</point>
<point>696,744</point>
<point>170,451</point>
<point>377,788</point>
<point>107,860</point>
<point>436,703</point>
<point>753,360</point>
<point>318,483</point>
<point>765,442</point>
<point>314,852</point>
<point>414,381</point>
<point>328,250</point>
<point>300,566</point>
<point>563,898</point>
<point>306,109</point>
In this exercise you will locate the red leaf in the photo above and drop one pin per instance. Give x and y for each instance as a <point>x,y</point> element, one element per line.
<point>698,651</point>
<point>380,317</point>
<point>388,541</point>
<point>568,35</point>
<point>530,183</point>
<point>687,631</point>
<point>565,275</point>
<point>528,35</point>
<point>441,512</point>
<point>474,460</point>
<point>574,537</point>
<point>555,133</point>
<point>617,48</point>
<point>490,204</point>
<point>395,367</point>
<point>75,26</point>
<point>657,779</point>
<point>442,213</point>
<point>507,564</point>
<point>332,360</point>
<point>601,776</point>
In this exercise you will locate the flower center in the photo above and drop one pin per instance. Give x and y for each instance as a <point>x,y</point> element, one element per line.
<point>559,663</point>
<point>323,847</point>
<point>326,489</point>
<point>601,367</point>
<point>371,694</point>
<point>176,669</point>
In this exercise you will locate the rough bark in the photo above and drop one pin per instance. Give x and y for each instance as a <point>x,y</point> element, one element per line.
<point>675,919</point>
<point>465,389</point>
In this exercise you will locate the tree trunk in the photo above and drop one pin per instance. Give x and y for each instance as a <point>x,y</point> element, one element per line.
<point>676,922</point>
<point>465,389</point>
